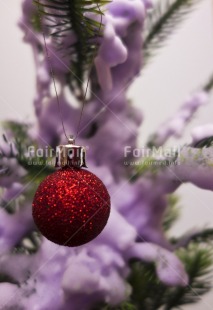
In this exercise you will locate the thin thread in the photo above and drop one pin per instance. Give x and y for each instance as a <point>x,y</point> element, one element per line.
<point>89,76</point>
<point>53,75</point>
<point>52,72</point>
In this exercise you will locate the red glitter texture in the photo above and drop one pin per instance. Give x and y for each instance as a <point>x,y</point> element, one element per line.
<point>71,207</point>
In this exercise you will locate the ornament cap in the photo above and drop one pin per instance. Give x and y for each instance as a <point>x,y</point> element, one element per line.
<point>70,155</point>
<point>71,140</point>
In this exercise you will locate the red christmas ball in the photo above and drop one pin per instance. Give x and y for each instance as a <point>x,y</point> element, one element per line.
<point>71,206</point>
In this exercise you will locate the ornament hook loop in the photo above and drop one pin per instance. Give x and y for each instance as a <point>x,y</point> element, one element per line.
<point>70,155</point>
<point>71,140</point>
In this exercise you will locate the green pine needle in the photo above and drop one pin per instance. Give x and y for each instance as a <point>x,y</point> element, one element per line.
<point>198,264</point>
<point>7,278</point>
<point>172,213</point>
<point>204,143</point>
<point>162,21</point>
<point>22,141</point>
<point>205,236</point>
<point>29,244</point>
<point>148,293</point>
<point>67,17</point>
<point>123,306</point>
<point>209,85</point>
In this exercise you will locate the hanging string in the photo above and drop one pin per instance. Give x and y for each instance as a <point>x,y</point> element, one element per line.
<point>53,75</point>
<point>89,75</point>
<point>51,72</point>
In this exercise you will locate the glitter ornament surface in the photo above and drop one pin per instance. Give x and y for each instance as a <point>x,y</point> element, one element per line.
<point>71,206</point>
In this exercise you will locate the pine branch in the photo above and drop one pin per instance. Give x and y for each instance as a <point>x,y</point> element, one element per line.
<point>13,205</point>
<point>67,17</point>
<point>20,133</point>
<point>7,278</point>
<point>21,142</point>
<point>29,244</point>
<point>204,143</point>
<point>198,262</point>
<point>172,213</point>
<point>204,236</point>
<point>162,21</point>
<point>209,85</point>
<point>123,306</point>
<point>149,293</point>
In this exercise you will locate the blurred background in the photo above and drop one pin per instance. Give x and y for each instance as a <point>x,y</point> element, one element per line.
<point>182,66</point>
